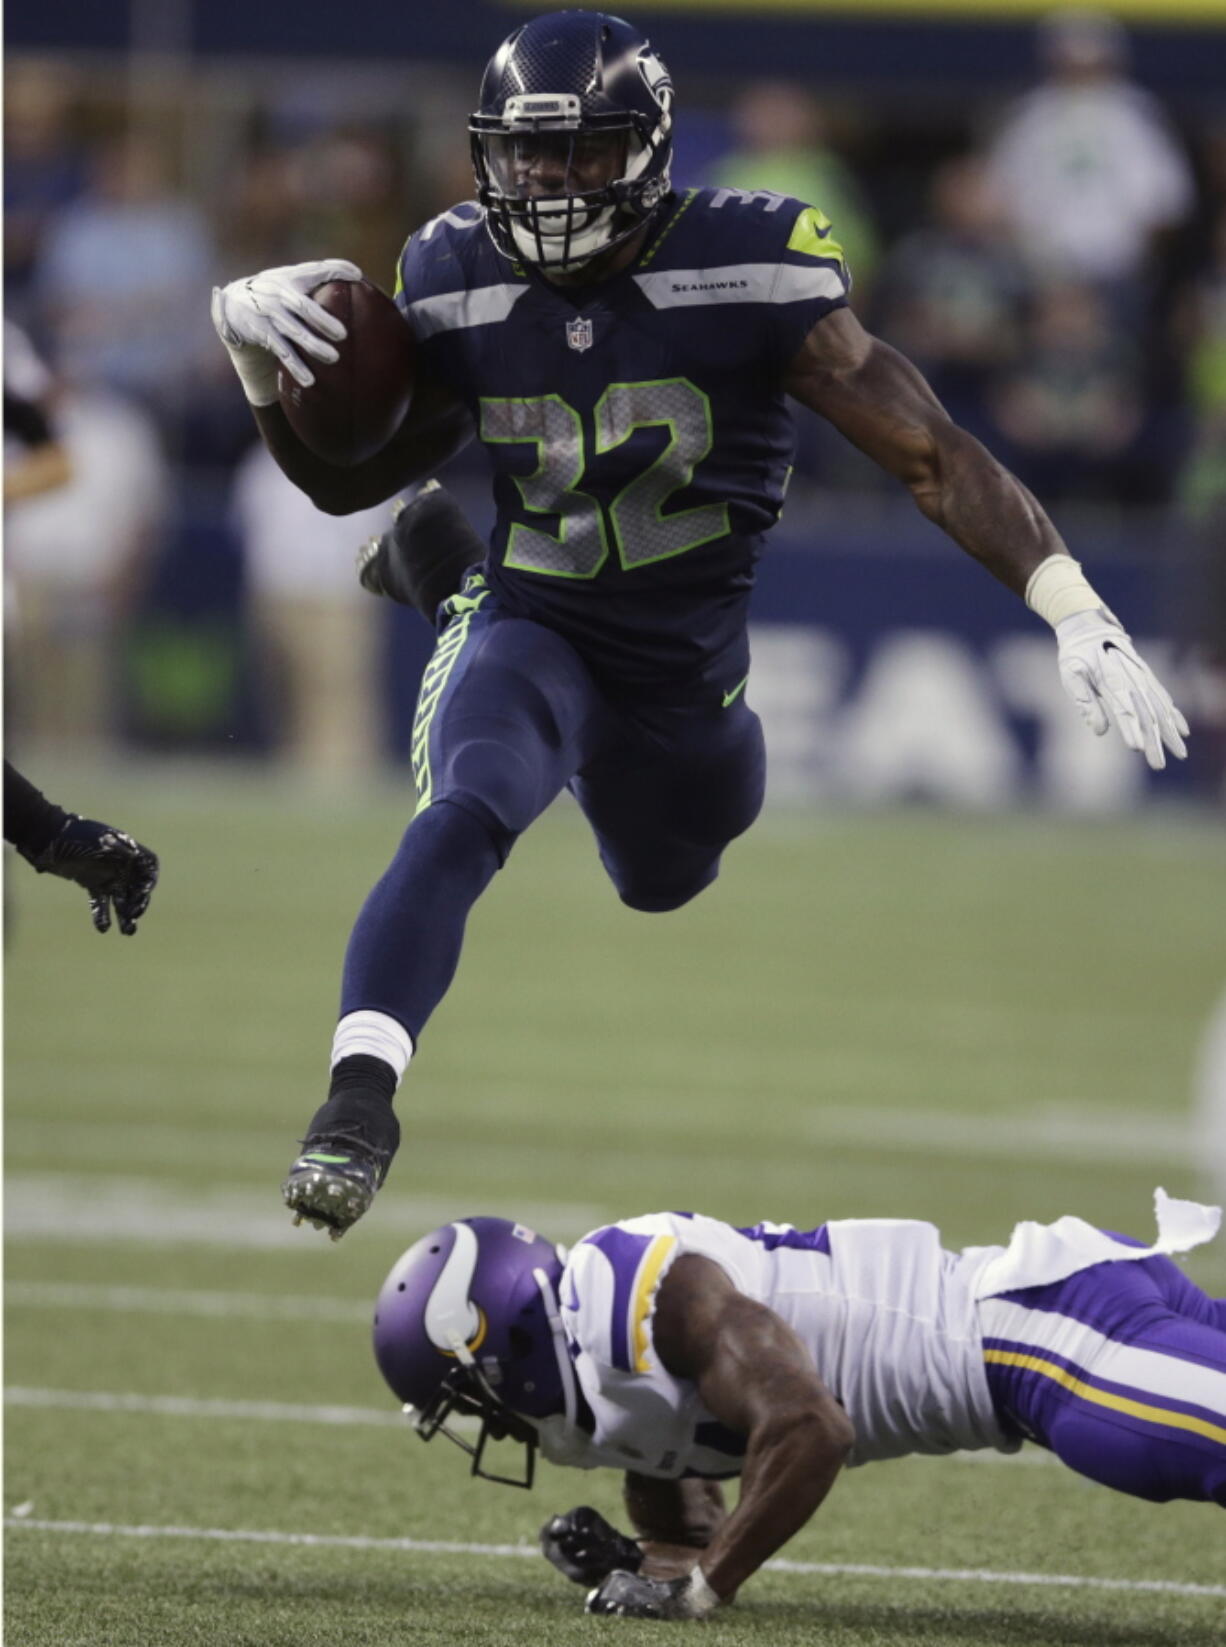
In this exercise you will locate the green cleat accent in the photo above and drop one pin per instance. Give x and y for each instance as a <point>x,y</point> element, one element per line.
<point>332,1190</point>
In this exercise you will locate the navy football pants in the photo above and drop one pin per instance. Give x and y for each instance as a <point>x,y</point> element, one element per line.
<point>508,716</point>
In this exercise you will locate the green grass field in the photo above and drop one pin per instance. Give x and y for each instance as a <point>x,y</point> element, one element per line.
<point>969,1020</point>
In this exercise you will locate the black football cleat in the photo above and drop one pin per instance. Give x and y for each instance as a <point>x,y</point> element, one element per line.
<point>420,561</point>
<point>333,1182</point>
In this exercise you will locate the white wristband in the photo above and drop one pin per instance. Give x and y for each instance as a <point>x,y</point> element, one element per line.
<point>700,1598</point>
<point>256,367</point>
<point>257,372</point>
<point>1058,588</point>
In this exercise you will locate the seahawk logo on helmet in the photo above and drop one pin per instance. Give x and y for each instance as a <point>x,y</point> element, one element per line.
<point>468,1322</point>
<point>572,141</point>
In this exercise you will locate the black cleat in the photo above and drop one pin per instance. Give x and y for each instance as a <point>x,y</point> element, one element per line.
<point>333,1182</point>
<point>421,559</point>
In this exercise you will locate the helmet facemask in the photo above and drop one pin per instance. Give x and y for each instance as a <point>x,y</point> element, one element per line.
<point>471,1389</point>
<point>565,175</point>
<point>467,1392</point>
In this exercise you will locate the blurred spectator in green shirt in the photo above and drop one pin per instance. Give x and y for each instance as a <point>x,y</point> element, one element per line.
<point>782,144</point>
<point>952,294</point>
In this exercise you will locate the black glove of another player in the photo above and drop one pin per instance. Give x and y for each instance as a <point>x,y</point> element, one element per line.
<point>629,1595</point>
<point>585,1548</point>
<point>112,867</point>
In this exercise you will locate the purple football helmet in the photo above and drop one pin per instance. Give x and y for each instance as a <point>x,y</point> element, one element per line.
<point>468,1322</point>
<point>558,89</point>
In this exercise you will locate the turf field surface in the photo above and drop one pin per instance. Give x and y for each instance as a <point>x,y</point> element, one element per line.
<point>969,1020</point>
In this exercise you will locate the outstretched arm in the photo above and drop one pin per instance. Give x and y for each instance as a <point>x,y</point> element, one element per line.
<point>753,1374</point>
<point>881,402</point>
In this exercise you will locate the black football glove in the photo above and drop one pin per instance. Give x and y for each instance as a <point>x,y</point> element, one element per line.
<point>112,867</point>
<point>630,1595</point>
<point>585,1548</point>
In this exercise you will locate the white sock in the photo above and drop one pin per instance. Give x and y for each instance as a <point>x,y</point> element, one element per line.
<point>376,1035</point>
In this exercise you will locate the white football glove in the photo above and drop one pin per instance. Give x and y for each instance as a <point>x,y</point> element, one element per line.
<point>1112,685</point>
<point>266,318</point>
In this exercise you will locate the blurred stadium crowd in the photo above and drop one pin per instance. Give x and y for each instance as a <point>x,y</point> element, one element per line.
<point>1056,265</point>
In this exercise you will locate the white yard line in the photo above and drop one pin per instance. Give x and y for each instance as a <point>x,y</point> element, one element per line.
<point>185,1406</point>
<point>1062,1129</point>
<point>258,1306</point>
<point>148,1210</point>
<point>63,1208</point>
<point>415,1546</point>
<point>984,1575</point>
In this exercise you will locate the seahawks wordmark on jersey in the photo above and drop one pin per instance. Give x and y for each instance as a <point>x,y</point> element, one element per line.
<point>638,427</point>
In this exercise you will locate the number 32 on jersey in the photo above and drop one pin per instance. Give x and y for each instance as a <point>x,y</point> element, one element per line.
<point>641,530</point>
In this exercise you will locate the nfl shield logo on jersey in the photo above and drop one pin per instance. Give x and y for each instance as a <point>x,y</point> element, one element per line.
<point>579,334</point>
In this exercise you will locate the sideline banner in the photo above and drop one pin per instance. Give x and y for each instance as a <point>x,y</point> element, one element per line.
<point>886,677</point>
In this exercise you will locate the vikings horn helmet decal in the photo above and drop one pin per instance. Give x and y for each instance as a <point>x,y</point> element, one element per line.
<point>562,91</point>
<point>468,1322</point>
<point>452,1322</point>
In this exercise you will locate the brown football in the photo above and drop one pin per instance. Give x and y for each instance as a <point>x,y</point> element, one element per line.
<point>357,403</point>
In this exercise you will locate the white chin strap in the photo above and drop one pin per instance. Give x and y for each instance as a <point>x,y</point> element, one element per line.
<point>560,1439</point>
<point>570,1398</point>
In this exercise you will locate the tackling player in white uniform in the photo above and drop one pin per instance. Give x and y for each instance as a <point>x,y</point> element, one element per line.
<point>682,1350</point>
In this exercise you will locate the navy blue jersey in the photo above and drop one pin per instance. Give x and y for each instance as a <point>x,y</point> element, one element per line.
<point>638,428</point>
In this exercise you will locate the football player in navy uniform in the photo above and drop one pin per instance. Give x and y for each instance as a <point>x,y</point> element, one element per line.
<point>684,1351</point>
<point>625,353</point>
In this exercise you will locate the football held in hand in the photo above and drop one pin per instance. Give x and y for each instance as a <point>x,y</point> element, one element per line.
<point>358,401</point>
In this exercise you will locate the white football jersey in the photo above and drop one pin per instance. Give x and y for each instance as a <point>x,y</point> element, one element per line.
<point>887,1315</point>
<point>891,1319</point>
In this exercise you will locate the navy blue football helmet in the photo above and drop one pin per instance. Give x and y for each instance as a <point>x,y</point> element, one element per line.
<point>468,1322</point>
<point>572,141</point>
